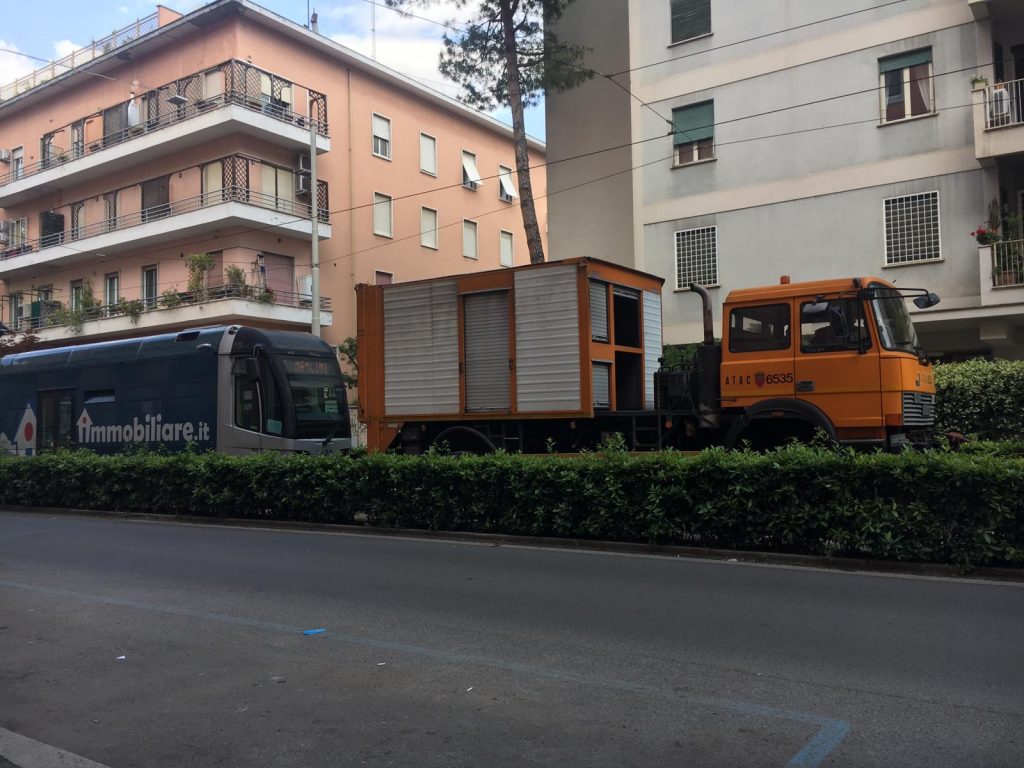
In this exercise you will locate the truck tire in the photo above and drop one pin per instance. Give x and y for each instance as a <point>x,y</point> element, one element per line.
<point>773,423</point>
<point>464,440</point>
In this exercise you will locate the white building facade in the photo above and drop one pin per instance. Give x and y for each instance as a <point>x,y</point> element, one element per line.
<point>814,140</point>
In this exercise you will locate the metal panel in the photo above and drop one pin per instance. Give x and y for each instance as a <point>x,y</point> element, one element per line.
<point>547,340</point>
<point>652,343</point>
<point>487,351</point>
<point>601,377</point>
<point>421,349</point>
<point>598,310</point>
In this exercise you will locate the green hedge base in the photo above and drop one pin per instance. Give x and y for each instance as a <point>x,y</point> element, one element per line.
<point>964,508</point>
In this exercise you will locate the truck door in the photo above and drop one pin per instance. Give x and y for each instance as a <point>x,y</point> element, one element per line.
<point>758,359</point>
<point>487,363</point>
<point>833,373</point>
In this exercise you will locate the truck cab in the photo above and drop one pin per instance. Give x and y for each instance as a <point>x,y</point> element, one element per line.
<point>839,356</point>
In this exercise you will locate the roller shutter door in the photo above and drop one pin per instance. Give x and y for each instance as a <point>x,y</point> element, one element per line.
<point>652,343</point>
<point>487,351</point>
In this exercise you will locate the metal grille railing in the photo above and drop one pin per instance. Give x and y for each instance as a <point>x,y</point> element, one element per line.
<point>243,84</point>
<point>80,56</point>
<point>293,207</point>
<point>1004,104</point>
<point>1008,263</point>
<point>53,314</point>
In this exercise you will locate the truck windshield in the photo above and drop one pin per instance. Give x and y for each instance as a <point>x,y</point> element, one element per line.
<point>318,395</point>
<point>895,328</point>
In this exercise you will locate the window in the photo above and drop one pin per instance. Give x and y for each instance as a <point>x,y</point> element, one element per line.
<point>428,228</point>
<point>841,327</point>
<point>19,233</point>
<point>381,215</point>
<point>381,137</point>
<point>279,185</point>
<point>15,305</point>
<point>77,293</point>
<point>213,85</point>
<point>470,174</point>
<point>696,257</point>
<point>428,154</point>
<point>247,399</point>
<point>469,243</point>
<point>506,252</point>
<point>383,278</point>
<point>912,228</point>
<point>111,288</point>
<point>694,132</point>
<point>756,329</point>
<point>17,163</point>
<point>690,19</point>
<point>149,286</point>
<point>156,198</point>
<point>506,188</point>
<point>906,85</point>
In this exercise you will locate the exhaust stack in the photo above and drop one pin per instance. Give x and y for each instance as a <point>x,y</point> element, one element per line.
<point>709,323</point>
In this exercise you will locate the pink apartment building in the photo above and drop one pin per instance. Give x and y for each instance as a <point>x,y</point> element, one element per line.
<point>191,134</point>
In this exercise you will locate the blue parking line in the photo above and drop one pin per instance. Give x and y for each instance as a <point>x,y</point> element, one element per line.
<point>829,736</point>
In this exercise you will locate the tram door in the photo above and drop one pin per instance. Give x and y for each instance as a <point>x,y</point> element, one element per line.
<point>55,421</point>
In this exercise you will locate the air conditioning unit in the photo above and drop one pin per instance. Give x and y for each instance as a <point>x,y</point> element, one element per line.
<point>5,155</point>
<point>302,163</point>
<point>302,184</point>
<point>306,287</point>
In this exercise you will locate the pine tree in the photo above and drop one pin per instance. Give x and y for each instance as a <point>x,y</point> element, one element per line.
<point>506,55</point>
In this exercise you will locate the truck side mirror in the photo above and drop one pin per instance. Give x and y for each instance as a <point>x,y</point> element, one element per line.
<point>927,301</point>
<point>817,308</point>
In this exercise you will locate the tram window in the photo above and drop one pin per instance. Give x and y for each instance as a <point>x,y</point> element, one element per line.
<point>247,399</point>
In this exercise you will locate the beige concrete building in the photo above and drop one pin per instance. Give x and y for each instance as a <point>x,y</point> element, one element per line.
<point>814,140</point>
<point>185,135</point>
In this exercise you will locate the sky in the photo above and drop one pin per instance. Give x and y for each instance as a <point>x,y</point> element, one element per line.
<point>52,29</point>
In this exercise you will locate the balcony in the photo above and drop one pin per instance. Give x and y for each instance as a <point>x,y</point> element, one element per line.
<point>172,310</point>
<point>131,218</point>
<point>998,120</point>
<point>232,98</point>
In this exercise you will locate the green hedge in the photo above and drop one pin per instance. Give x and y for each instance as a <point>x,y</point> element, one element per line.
<point>981,398</point>
<point>940,507</point>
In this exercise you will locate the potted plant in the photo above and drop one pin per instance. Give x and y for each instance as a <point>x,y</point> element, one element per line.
<point>170,298</point>
<point>979,81</point>
<point>985,236</point>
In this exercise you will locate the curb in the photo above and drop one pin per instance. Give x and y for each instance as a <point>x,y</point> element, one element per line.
<point>587,545</point>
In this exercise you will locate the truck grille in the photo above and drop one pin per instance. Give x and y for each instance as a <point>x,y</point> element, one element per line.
<point>918,409</point>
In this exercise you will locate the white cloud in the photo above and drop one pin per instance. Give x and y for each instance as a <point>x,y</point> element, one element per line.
<point>414,57</point>
<point>12,64</point>
<point>63,48</point>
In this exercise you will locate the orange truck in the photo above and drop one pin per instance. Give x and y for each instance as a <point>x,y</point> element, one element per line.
<point>558,356</point>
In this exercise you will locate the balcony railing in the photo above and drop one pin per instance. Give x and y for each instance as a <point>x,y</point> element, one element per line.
<point>1004,104</point>
<point>291,207</point>
<point>1008,263</point>
<point>243,86</point>
<point>53,314</point>
<point>81,56</point>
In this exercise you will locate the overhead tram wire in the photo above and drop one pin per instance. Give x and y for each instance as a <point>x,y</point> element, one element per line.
<point>799,131</point>
<point>757,37</point>
<point>592,153</point>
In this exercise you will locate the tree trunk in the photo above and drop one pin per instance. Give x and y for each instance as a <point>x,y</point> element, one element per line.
<point>515,99</point>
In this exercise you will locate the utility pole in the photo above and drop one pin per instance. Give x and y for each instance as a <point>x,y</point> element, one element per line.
<point>314,216</point>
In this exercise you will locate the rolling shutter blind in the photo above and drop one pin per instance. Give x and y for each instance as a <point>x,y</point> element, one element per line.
<point>421,349</point>
<point>548,340</point>
<point>601,375</point>
<point>652,343</point>
<point>487,351</point>
<point>690,18</point>
<point>694,123</point>
<point>381,127</point>
<point>598,311</point>
<point>428,154</point>
<point>905,60</point>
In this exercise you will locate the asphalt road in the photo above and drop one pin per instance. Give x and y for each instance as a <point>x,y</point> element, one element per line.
<point>452,654</point>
